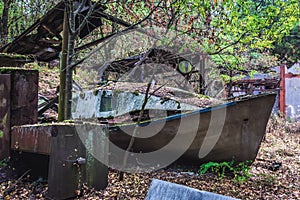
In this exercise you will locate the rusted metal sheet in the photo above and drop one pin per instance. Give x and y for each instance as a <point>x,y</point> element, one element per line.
<point>240,134</point>
<point>5,88</point>
<point>24,97</point>
<point>71,162</point>
<point>63,174</point>
<point>32,138</point>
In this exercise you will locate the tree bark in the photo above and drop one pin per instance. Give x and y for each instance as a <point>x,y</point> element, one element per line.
<point>4,23</point>
<point>63,67</point>
<point>69,70</point>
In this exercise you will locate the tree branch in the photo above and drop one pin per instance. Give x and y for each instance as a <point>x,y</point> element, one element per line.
<point>234,43</point>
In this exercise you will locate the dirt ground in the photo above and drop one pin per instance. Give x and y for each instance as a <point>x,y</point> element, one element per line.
<point>275,174</point>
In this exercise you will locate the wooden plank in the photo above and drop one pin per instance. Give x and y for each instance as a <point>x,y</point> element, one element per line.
<point>5,88</point>
<point>290,75</point>
<point>13,44</point>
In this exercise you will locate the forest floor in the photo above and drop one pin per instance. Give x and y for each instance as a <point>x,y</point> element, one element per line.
<point>275,174</point>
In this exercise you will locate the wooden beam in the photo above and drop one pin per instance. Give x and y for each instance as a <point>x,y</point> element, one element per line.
<point>113,19</point>
<point>282,90</point>
<point>31,28</point>
<point>50,30</point>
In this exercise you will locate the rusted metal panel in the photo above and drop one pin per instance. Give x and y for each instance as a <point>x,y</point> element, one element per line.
<point>71,164</point>
<point>24,97</point>
<point>95,140</point>
<point>5,88</point>
<point>32,138</point>
<point>63,174</point>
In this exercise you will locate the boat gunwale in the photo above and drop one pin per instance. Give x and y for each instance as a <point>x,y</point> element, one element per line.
<point>193,112</point>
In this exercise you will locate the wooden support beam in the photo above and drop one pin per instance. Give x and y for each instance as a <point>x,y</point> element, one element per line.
<point>282,90</point>
<point>113,19</point>
<point>50,30</point>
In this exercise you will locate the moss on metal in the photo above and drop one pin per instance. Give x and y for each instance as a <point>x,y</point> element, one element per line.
<point>9,70</point>
<point>14,60</point>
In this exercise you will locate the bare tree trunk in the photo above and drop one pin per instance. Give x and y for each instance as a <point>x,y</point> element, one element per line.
<point>4,23</point>
<point>66,72</point>
<point>69,71</point>
<point>63,67</point>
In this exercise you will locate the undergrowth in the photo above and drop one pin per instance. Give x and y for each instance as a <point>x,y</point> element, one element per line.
<point>240,171</point>
<point>3,162</point>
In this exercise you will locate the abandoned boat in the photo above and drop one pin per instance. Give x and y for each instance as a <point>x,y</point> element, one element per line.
<point>234,130</point>
<point>219,131</point>
<point>175,122</point>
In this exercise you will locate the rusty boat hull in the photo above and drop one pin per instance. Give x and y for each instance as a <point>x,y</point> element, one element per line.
<point>233,130</point>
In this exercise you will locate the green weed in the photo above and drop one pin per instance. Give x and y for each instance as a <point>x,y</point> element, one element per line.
<point>239,171</point>
<point>3,162</point>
